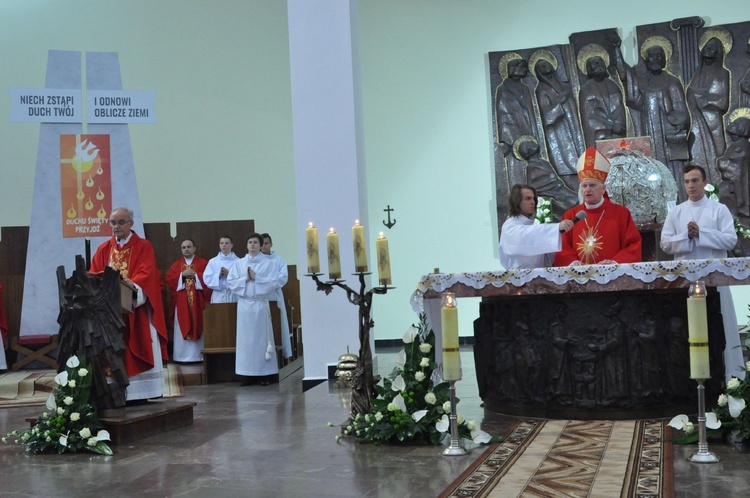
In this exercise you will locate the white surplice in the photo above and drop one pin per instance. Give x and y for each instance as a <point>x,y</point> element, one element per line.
<point>524,244</point>
<point>281,268</point>
<point>716,236</point>
<point>213,279</point>
<point>715,225</point>
<point>254,329</point>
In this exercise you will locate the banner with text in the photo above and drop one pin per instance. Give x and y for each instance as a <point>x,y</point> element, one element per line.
<point>120,106</point>
<point>86,184</point>
<point>45,105</point>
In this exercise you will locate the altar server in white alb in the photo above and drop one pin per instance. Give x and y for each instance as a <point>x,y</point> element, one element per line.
<point>217,271</point>
<point>701,228</point>
<point>267,249</point>
<point>254,280</point>
<point>524,244</point>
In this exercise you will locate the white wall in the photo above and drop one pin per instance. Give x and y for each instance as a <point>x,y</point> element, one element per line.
<point>221,73</point>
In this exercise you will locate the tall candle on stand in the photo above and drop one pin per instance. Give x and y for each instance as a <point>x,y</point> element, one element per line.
<point>698,332</point>
<point>313,256</point>
<point>360,251</point>
<point>449,318</point>
<point>334,257</point>
<point>384,260</point>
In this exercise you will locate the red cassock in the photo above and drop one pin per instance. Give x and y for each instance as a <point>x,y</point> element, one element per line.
<point>190,301</point>
<point>607,232</point>
<point>137,261</point>
<point>3,318</point>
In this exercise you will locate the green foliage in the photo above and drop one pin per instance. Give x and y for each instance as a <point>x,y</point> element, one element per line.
<point>543,212</point>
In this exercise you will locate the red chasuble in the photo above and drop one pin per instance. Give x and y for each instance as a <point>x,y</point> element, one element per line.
<point>607,232</point>
<point>190,301</point>
<point>137,262</point>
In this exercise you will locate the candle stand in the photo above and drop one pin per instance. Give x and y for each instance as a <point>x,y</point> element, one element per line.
<point>363,388</point>
<point>702,455</point>
<point>455,448</point>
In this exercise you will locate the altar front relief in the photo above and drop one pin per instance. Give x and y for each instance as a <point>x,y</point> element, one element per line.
<point>590,342</point>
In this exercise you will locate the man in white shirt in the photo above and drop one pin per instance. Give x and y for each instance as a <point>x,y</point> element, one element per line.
<point>522,243</point>
<point>701,228</point>
<point>217,270</point>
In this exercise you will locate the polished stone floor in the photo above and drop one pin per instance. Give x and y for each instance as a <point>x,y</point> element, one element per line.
<point>274,442</point>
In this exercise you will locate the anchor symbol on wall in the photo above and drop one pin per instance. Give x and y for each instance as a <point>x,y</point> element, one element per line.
<point>390,223</point>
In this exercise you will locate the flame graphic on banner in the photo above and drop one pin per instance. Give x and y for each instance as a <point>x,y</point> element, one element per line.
<point>80,157</point>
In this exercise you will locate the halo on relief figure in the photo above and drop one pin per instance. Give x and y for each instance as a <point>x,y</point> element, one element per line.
<point>517,144</point>
<point>545,55</point>
<point>740,112</point>
<point>657,41</point>
<point>589,51</point>
<point>721,34</point>
<point>502,65</point>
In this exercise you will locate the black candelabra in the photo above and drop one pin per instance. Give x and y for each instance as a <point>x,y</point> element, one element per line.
<point>363,388</point>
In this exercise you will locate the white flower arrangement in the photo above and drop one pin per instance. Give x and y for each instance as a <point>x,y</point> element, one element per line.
<point>410,407</point>
<point>71,421</point>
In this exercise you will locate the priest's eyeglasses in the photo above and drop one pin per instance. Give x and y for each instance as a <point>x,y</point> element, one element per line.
<point>121,223</point>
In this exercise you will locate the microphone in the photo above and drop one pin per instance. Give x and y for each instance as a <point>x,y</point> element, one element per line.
<point>578,217</point>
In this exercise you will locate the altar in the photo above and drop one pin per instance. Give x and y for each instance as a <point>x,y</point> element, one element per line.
<point>593,341</point>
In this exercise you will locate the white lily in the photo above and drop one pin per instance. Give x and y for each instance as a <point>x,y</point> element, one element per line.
<point>418,415</point>
<point>400,358</point>
<point>399,384</point>
<point>679,422</point>
<point>481,437</point>
<point>712,421</point>
<point>736,405</point>
<point>62,379</point>
<point>102,435</point>
<point>72,362</point>
<point>51,404</point>
<point>398,402</point>
<point>443,424</point>
<point>64,439</point>
<point>411,334</point>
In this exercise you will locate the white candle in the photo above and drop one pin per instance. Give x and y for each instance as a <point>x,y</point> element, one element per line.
<point>360,251</point>
<point>311,241</point>
<point>334,257</point>
<point>698,332</point>
<point>384,260</point>
<point>449,318</point>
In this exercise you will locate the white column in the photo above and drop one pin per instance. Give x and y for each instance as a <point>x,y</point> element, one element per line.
<point>329,164</point>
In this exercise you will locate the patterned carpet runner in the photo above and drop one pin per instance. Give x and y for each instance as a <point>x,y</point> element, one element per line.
<point>33,387</point>
<point>568,458</point>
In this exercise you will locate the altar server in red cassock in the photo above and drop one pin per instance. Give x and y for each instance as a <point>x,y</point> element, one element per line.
<point>607,235</point>
<point>189,297</point>
<point>145,333</point>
